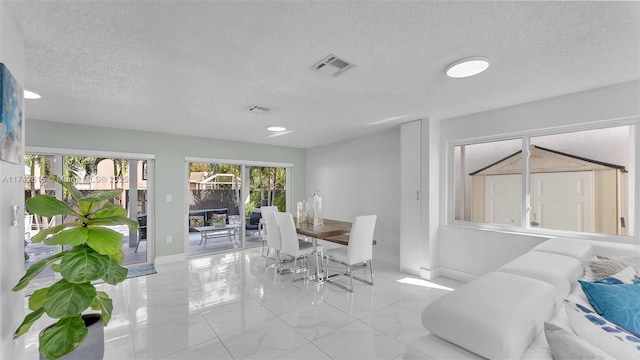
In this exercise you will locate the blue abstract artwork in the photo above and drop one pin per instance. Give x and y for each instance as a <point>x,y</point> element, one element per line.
<point>12,149</point>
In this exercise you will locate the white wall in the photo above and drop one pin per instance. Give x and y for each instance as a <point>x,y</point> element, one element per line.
<point>11,192</point>
<point>170,152</point>
<point>467,253</point>
<point>359,177</point>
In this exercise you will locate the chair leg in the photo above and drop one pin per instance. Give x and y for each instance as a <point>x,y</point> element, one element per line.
<point>370,271</point>
<point>350,270</point>
<point>278,261</point>
<point>348,273</point>
<point>266,261</point>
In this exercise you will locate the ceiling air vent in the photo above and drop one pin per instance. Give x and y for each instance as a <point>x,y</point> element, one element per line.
<point>332,65</point>
<point>258,109</point>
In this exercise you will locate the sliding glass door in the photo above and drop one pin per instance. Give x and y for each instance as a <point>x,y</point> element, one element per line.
<point>214,200</point>
<point>224,200</point>
<point>89,173</point>
<point>267,187</point>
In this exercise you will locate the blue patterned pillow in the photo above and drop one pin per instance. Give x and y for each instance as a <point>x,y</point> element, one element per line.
<point>602,333</point>
<point>618,303</point>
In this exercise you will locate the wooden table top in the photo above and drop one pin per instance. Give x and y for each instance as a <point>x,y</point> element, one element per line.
<point>327,229</point>
<point>331,230</point>
<point>341,239</point>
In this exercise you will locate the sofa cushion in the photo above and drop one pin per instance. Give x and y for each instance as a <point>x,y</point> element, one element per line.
<point>558,270</point>
<point>578,249</point>
<point>602,333</point>
<point>495,316</point>
<point>567,345</point>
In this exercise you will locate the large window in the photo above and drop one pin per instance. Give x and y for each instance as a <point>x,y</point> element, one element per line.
<point>575,181</point>
<point>88,173</point>
<point>225,200</point>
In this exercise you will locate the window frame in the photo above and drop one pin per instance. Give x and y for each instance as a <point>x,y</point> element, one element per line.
<point>525,137</point>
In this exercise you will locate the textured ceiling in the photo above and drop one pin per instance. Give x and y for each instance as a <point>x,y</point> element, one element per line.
<point>193,67</point>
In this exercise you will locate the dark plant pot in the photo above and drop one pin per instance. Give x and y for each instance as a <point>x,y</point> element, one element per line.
<point>92,347</point>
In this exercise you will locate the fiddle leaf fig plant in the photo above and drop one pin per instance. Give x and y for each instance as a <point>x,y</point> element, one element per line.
<point>92,252</point>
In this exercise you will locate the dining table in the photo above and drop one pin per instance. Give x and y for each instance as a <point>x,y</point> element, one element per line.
<point>322,231</point>
<point>334,231</point>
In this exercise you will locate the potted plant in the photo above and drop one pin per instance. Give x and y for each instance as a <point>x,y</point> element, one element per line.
<point>218,220</point>
<point>93,252</point>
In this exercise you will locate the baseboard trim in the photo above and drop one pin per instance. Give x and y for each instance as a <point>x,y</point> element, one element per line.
<point>430,274</point>
<point>457,275</point>
<point>410,271</point>
<point>160,260</point>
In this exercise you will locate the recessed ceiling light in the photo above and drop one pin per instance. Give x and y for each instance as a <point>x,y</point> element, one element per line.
<point>276,128</point>
<point>31,95</point>
<point>467,67</point>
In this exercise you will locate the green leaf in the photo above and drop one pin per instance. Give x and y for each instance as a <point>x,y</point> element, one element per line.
<point>109,212</point>
<point>55,267</point>
<point>27,322</point>
<point>103,303</point>
<point>63,338</point>
<point>36,300</point>
<point>75,236</point>
<point>72,189</point>
<point>47,205</point>
<point>133,224</point>
<point>52,230</point>
<point>98,196</point>
<point>85,207</point>
<point>83,264</point>
<point>66,299</point>
<point>117,257</point>
<point>35,269</point>
<point>114,273</point>
<point>104,241</point>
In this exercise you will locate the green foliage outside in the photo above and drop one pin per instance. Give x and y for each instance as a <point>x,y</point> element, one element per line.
<point>281,201</point>
<point>95,254</point>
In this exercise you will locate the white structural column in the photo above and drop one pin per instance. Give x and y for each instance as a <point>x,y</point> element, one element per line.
<point>133,200</point>
<point>11,193</point>
<point>419,218</point>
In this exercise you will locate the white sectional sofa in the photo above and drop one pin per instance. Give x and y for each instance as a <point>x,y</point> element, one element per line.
<point>501,314</point>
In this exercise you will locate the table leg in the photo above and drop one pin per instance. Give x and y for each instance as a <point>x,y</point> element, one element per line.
<point>319,275</point>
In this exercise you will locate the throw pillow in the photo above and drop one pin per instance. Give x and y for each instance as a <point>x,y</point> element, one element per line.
<point>196,221</point>
<point>633,261</point>
<point>609,337</point>
<point>566,345</point>
<point>618,303</point>
<point>627,276</point>
<point>601,266</point>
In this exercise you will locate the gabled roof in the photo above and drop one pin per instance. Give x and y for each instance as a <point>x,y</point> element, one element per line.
<point>561,162</point>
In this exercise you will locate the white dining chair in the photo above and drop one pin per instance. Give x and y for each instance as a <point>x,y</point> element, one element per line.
<point>291,245</point>
<point>274,240</point>
<point>358,251</point>
<point>263,228</point>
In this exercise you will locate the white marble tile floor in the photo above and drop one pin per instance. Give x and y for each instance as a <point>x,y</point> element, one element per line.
<point>228,306</point>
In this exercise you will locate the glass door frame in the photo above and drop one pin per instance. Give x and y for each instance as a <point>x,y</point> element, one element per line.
<point>244,190</point>
<point>59,153</point>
